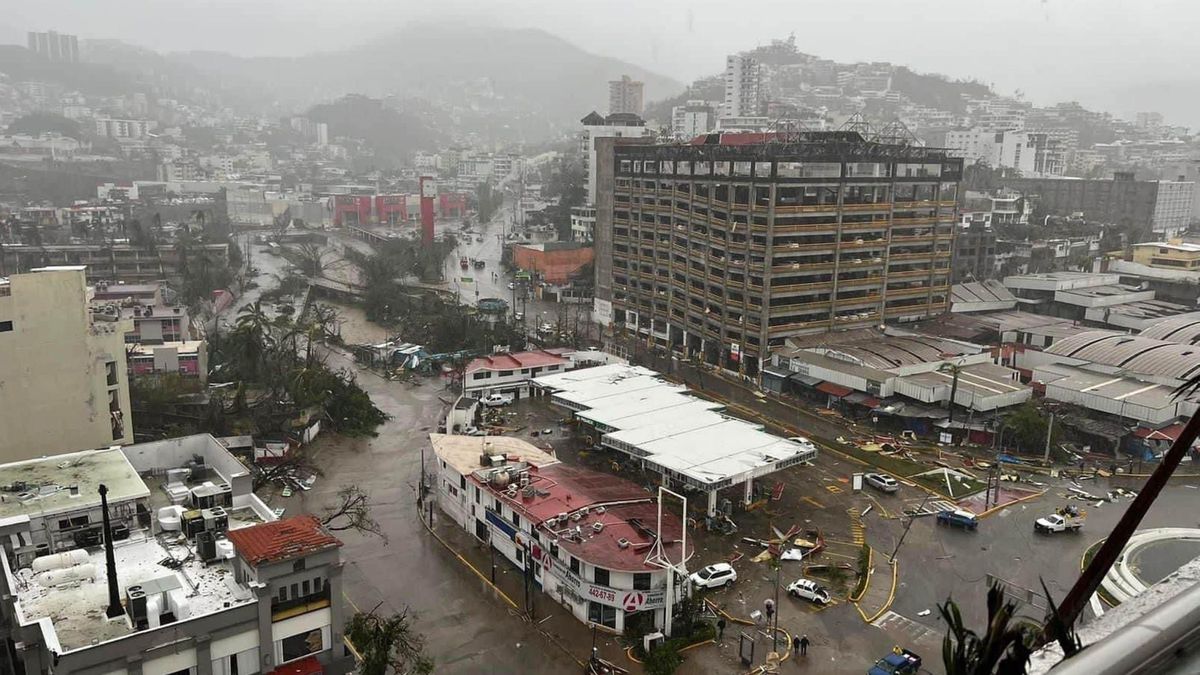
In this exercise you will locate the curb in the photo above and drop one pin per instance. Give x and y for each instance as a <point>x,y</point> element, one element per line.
<point>891,596</point>
<point>870,571</point>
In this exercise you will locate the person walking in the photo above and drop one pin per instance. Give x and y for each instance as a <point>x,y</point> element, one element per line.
<point>804,645</point>
<point>795,645</point>
<point>721,628</point>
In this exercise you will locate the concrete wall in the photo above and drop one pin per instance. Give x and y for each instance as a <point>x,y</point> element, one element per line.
<point>54,391</point>
<point>173,453</point>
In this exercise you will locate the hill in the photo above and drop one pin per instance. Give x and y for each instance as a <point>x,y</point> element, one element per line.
<point>518,71</point>
<point>391,134</point>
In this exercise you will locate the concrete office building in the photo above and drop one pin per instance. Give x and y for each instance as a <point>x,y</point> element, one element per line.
<point>1162,209</point>
<point>743,87</point>
<point>1010,149</point>
<point>726,247</point>
<point>121,263</point>
<point>63,381</point>
<point>1173,208</point>
<point>625,96</point>
<point>596,126</point>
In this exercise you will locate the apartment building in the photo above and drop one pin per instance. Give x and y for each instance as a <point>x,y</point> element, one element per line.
<point>625,96</point>
<point>124,128</point>
<point>725,248</point>
<point>63,382</point>
<point>692,119</point>
<point>1008,149</point>
<point>54,46</point>
<point>595,126</point>
<point>743,87</point>
<point>1168,255</point>
<point>158,559</point>
<point>1173,208</point>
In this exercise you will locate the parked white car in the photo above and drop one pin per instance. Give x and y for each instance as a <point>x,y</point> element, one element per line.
<point>882,482</point>
<point>807,589</point>
<point>495,400</point>
<point>717,575</point>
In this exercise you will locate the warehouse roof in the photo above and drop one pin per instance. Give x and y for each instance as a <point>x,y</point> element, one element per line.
<point>1131,352</point>
<point>1125,389</point>
<point>1184,328</point>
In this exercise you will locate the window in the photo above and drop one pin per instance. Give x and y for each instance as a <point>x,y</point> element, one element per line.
<point>641,581</point>
<point>482,375</point>
<point>5,326</point>
<point>283,594</point>
<point>298,566</point>
<point>602,614</point>
<point>303,644</point>
<point>574,564</point>
<point>477,493</point>
<point>600,576</point>
<point>516,518</point>
<point>505,373</point>
<point>462,482</point>
<point>304,588</point>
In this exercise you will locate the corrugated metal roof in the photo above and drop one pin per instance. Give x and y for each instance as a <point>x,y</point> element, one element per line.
<point>1183,329</point>
<point>1134,353</point>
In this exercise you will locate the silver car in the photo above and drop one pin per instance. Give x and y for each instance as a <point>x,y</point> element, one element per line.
<point>882,482</point>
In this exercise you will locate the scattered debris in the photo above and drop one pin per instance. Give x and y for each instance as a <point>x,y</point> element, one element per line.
<point>923,612</point>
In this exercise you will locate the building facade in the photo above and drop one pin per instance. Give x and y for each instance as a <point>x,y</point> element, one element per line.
<point>625,96</point>
<point>511,373</point>
<point>724,249</point>
<point>1120,201</point>
<point>743,87</point>
<point>117,263</point>
<point>692,119</point>
<point>63,381</point>
<point>974,252</point>
<point>1008,149</point>
<point>584,537</point>
<point>595,127</point>
<point>1173,208</point>
<point>583,223</point>
<point>52,46</point>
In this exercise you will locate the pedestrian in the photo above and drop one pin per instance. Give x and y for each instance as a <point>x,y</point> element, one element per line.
<point>804,646</point>
<point>721,628</point>
<point>795,645</point>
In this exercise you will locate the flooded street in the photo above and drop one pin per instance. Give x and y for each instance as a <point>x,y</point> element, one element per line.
<point>467,630</point>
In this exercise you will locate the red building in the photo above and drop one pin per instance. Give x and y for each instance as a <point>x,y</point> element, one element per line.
<point>351,210</point>
<point>452,205</point>
<point>391,209</point>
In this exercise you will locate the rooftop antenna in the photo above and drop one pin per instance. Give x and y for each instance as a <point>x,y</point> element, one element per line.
<point>114,596</point>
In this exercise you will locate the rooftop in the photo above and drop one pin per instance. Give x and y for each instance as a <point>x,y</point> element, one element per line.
<point>882,351</point>
<point>1174,246</point>
<point>1184,329</point>
<point>42,486</point>
<point>282,540</point>
<point>1125,390</point>
<point>1133,353</point>
<point>77,611</point>
<point>986,292</point>
<point>463,452</point>
<point>517,361</point>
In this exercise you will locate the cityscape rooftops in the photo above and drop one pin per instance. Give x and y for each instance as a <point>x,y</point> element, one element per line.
<point>1185,247</point>
<point>463,452</point>
<point>282,540</point>
<point>68,482</point>
<point>519,360</point>
<point>1132,353</point>
<point>1184,329</point>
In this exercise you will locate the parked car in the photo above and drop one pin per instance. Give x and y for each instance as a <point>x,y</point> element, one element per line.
<point>899,662</point>
<point>958,518</point>
<point>807,589</point>
<point>717,575</point>
<point>808,445</point>
<point>882,482</point>
<point>495,400</point>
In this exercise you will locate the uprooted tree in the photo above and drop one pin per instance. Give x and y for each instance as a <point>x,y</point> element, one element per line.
<point>388,643</point>
<point>352,511</point>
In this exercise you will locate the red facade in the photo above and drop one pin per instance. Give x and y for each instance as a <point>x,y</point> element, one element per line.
<point>452,205</point>
<point>391,209</point>
<point>351,210</point>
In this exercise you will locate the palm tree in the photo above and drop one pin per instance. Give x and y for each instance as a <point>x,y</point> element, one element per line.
<point>1003,649</point>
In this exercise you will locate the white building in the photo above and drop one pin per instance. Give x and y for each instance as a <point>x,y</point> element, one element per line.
<point>743,87</point>
<point>1009,149</point>
<point>124,128</point>
<point>63,382</point>
<point>691,119</point>
<point>625,96</point>
<point>621,125</point>
<point>583,223</point>
<point>511,373</point>
<point>322,130</point>
<point>586,537</point>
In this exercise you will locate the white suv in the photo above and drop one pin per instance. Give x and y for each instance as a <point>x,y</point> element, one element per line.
<point>494,400</point>
<point>807,589</point>
<point>882,482</point>
<point>717,575</point>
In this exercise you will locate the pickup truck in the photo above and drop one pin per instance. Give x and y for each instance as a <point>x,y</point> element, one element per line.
<point>495,400</point>
<point>899,662</point>
<point>1067,519</point>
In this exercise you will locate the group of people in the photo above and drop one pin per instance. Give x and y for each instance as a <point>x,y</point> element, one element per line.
<point>800,642</point>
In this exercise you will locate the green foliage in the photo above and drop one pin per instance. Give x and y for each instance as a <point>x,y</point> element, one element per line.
<point>487,201</point>
<point>1003,649</point>
<point>43,122</point>
<point>201,272</point>
<point>663,660</point>
<point>388,644</point>
<point>393,135</point>
<point>1027,425</point>
<point>864,563</point>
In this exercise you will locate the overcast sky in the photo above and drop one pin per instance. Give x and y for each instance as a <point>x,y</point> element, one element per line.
<point>1109,53</point>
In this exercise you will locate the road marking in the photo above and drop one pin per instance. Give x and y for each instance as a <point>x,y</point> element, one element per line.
<point>833,488</point>
<point>915,630</point>
<point>812,501</point>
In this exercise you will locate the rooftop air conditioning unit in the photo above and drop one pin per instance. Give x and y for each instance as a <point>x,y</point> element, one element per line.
<point>576,517</point>
<point>597,527</point>
<point>599,509</point>
<point>622,543</point>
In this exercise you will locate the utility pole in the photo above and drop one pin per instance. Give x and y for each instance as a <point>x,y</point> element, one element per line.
<point>892,558</point>
<point>1049,433</point>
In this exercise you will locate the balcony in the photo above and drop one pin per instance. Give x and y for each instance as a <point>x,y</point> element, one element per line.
<point>286,609</point>
<point>798,326</point>
<point>796,267</point>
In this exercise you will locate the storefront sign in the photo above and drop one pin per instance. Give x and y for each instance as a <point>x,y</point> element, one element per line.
<point>630,601</point>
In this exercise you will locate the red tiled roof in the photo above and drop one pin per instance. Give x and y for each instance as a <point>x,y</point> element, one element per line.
<point>1165,434</point>
<point>834,389</point>
<point>515,361</point>
<point>282,540</point>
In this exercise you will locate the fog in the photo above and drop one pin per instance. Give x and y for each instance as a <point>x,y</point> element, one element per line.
<point>1109,54</point>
